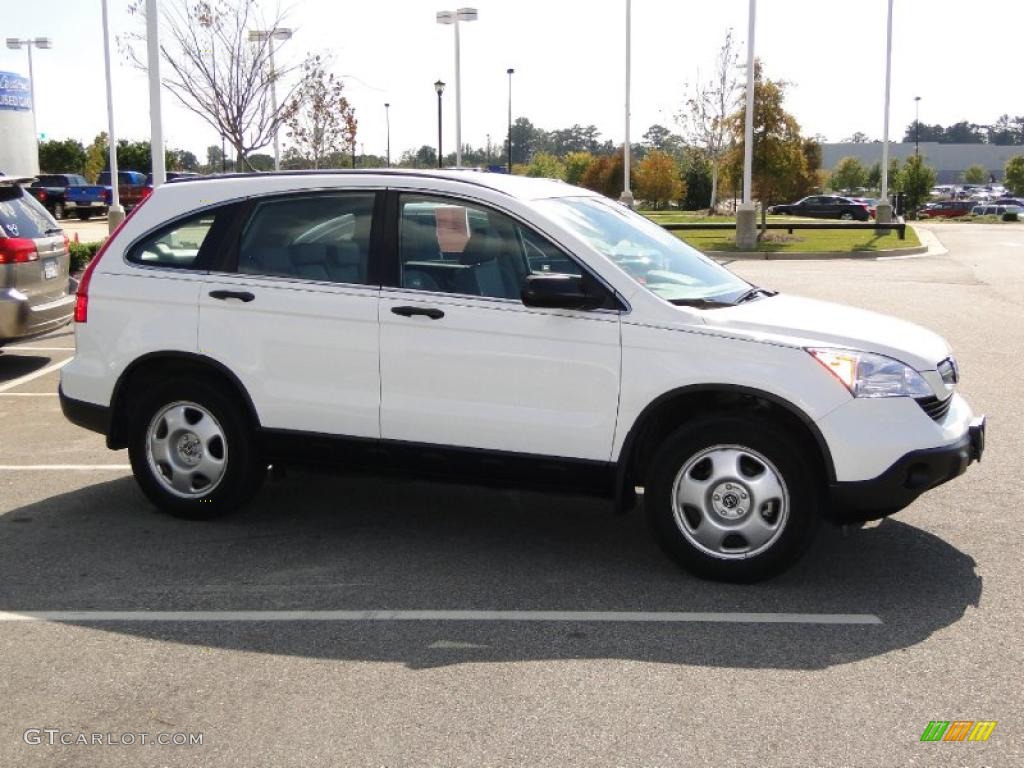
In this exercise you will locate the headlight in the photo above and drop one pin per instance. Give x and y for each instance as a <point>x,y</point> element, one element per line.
<point>869,375</point>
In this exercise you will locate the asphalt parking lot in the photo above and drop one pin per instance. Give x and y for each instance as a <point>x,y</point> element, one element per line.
<point>942,582</point>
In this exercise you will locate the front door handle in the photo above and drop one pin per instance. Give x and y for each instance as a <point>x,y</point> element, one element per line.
<point>225,295</point>
<point>431,312</point>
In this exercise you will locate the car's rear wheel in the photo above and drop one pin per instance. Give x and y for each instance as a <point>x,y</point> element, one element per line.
<point>58,211</point>
<point>193,450</point>
<point>846,216</point>
<point>83,215</point>
<point>733,498</point>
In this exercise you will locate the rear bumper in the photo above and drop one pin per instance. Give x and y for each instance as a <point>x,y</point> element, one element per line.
<point>20,318</point>
<point>907,478</point>
<point>95,418</point>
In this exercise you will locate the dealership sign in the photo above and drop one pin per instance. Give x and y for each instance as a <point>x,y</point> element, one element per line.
<point>15,92</point>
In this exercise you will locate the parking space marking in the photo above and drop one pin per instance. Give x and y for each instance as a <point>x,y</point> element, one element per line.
<point>63,467</point>
<point>631,617</point>
<point>28,394</point>
<point>39,349</point>
<point>14,383</point>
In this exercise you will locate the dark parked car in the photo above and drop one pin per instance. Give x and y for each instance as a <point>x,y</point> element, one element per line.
<point>825,207</point>
<point>64,193</point>
<point>131,188</point>
<point>946,209</point>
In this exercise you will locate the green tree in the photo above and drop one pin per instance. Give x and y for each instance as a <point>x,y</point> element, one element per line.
<point>576,164</point>
<point>95,157</point>
<point>605,175</point>
<point>915,181</point>
<point>1013,174</point>
<point>849,174</point>
<point>657,179</point>
<point>545,166</point>
<point>782,159</point>
<point>873,179</point>
<point>976,174</point>
<point>525,138</point>
<point>696,176</point>
<point>66,156</point>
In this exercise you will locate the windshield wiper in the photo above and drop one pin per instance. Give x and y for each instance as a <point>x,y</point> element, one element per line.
<point>53,231</point>
<point>701,303</point>
<point>753,293</point>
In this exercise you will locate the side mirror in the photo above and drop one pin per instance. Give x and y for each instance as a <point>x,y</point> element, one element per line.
<point>561,292</point>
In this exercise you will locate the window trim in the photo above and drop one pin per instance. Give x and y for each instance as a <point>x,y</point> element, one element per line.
<point>391,272</point>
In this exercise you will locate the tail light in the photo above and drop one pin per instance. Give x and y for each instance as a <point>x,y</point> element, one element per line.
<point>41,195</point>
<point>108,196</point>
<point>82,297</point>
<point>146,192</point>
<point>17,250</point>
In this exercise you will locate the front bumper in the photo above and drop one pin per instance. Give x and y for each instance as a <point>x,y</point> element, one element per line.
<point>907,478</point>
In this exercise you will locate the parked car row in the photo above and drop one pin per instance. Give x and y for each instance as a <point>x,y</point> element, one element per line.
<point>949,209</point>
<point>829,207</point>
<point>69,194</point>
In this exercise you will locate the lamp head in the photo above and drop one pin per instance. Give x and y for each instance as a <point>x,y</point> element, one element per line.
<point>13,43</point>
<point>43,42</point>
<point>439,87</point>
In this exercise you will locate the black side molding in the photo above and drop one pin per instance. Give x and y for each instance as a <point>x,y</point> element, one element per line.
<point>95,418</point>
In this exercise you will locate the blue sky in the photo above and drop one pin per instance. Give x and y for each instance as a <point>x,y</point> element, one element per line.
<point>568,57</point>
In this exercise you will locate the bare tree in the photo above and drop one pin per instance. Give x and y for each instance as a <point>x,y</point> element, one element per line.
<point>322,120</point>
<point>709,105</point>
<point>214,70</point>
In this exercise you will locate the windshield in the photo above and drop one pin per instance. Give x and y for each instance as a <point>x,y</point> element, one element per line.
<point>652,256</point>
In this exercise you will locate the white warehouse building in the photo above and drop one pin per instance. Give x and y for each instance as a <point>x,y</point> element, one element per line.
<point>948,160</point>
<point>19,152</point>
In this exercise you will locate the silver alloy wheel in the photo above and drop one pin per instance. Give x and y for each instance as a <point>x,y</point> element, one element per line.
<point>186,449</point>
<point>730,502</point>
<point>847,216</point>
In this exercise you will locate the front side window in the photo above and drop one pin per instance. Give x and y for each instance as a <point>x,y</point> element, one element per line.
<point>653,257</point>
<point>451,246</point>
<point>176,246</point>
<point>312,237</point>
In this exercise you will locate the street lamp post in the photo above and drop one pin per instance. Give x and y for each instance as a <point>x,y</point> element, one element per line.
<point>115,213</point>
<point>453,18</point>
<point>626,198</point>
<point>387,122</point>
<point>510,72</point>
<point>917,124</point>
<point>883,211</point>
<point>746,215</point>
<point>269,36</point>
<point>15,43</point>
<point>439,87</point>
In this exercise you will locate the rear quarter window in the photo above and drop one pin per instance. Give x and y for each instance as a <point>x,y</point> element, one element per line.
<point>190,243</point>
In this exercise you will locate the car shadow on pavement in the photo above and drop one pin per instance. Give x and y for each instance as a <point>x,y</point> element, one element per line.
<point>313,542</point>
<point>14,366</point>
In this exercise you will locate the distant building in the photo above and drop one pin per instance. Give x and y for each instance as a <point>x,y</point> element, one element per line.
<point>19,153</point>
<point>949,160</point>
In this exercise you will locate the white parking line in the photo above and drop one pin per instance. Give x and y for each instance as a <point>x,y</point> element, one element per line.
<point>38,349</point>
<point>63,467</point>
<point>28,394</point>
<point>34,375</point>
<point>670,617</point>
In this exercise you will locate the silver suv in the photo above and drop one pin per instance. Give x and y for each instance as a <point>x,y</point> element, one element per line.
<point>36,293</point>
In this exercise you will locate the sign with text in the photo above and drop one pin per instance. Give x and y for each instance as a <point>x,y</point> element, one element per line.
<point>15,92</point>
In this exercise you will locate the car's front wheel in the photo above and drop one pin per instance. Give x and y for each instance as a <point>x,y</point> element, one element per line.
<point>192,449</point>
<point>846,216</point>
<point>733,498</point>
<point>58,211</point>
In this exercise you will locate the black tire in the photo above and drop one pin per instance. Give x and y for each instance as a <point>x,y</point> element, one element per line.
<point>244,468</point>
<point>846,216</point>
<point>800,478</point>
<point>83,215</point>
<point>58,211</point>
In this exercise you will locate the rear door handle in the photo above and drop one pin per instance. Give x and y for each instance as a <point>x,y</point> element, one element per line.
<point>431,312</point>
<point>225,295</point>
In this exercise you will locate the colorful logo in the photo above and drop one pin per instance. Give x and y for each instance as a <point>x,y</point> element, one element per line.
<point>958,730</point>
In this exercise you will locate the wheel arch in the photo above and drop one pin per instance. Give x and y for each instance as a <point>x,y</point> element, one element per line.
<point>666,412</point>
<point>152,365</point>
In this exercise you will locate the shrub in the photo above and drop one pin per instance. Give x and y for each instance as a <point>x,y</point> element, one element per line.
<point>82,253</point>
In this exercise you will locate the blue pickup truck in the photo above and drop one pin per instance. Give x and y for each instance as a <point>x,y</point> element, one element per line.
<point>68,193</point>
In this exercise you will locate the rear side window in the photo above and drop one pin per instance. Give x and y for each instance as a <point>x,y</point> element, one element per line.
<point>21,215</point>
<point>176,246</point>
<point>313,237</point>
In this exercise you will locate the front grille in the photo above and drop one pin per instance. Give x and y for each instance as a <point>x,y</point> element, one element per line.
<point>934,407</point>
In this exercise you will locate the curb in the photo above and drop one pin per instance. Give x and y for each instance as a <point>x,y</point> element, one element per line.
<point>930,245</point>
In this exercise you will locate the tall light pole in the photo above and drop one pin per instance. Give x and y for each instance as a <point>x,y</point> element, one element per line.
<point>439,87</point>
<point>626,198</point>
<point>746,216</point>
<point>917,124</point>
<point>453,18</point>
<point>115,214</point>
<point>156,125</point>
<point>15,44</point>
<point>510,72</point>
<point>387,122</point>
<point>269,36</point>
<point>883,211</point>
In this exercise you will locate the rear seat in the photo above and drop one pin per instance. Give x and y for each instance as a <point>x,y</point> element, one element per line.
<point>338,263</point>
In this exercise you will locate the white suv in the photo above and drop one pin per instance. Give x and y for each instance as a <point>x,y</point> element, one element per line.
<point>499,329</point>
